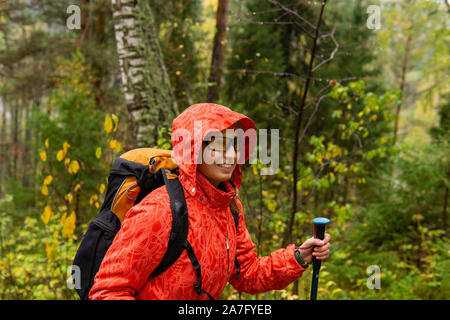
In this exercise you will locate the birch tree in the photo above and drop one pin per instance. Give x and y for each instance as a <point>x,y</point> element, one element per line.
<point>146,85</point>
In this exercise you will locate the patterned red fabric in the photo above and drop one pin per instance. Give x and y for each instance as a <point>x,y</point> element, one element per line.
<point>142,240</point>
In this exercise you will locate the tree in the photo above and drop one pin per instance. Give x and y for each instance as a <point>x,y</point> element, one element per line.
<point>218,50</point>
<point>148,93</point>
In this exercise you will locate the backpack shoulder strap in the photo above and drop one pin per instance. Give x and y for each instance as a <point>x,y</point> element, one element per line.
<point>235,215</point>
<point>236,222</point>
<point>178,234</point>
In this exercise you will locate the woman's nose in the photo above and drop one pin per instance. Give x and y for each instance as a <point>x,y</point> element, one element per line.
<point>230,155</point>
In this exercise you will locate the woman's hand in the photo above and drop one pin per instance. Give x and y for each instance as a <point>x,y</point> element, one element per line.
<point>321,251</point>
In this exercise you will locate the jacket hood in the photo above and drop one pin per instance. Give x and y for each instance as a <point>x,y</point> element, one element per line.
<point>191,127</point>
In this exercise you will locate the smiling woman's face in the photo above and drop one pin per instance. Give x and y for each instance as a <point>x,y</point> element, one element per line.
<point>221,169</point>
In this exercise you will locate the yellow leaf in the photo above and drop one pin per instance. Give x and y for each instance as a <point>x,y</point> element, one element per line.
<point>63,219</point>
<point>69,225</point>
<point>66,146</point>
<point>74,167</point>
<point>47,214</point>
<point>46,143</point>
<point>50,251</point>
<point>60,155</point>
<point>67,162</point>
<point>44,190</point>
<point>77,187</point>
<point>108,124</point>
<point>102,188</point>
<point>48,180</point>
<point>113,144</point>
<point>119,147</point>
<point>93,198</point>
<point>43,156</point>
<point>116,122</point>
<point>69,197</point>
<point>98,152</point>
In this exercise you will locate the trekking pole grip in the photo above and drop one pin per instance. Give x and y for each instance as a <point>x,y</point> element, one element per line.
<point>319,233</point>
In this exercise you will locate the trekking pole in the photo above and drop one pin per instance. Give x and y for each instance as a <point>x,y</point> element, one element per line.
<point>319,233</point>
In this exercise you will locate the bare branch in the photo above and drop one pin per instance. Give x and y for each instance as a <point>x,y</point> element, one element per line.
<point>331,34</point>
<point>293,13</point>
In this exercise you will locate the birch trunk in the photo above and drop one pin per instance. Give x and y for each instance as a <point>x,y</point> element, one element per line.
<point>146,85</point>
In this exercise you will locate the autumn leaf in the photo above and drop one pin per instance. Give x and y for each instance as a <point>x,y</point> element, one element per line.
<point>74,167</point>
<point>98,152</point>
<point>44,190</point>
<point>116,122</point>
<point>119,147</point>
<point>60,155</point>
<point>48,180</point>
<point>69,197</point>
<point>93,198</point>
<point>66,146</point>
<point>50,251</point>
<point>68,224</point>
<point>46,143</point>
<point>102,188</point>
<point>77,187</point>
<point>113,144</point>
<point>43,155</point>
<point>47,214</point>
<point>108,126</point>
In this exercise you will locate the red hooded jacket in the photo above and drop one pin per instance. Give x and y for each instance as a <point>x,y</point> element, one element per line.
<point>142,240</point>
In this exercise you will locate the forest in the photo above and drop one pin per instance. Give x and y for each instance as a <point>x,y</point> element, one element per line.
<point>358,91</point>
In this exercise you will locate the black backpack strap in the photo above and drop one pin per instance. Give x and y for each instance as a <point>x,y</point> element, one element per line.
<point>180,223</point>
<point>236,222</point>
<point>196,265</point>
<point>178,236</point>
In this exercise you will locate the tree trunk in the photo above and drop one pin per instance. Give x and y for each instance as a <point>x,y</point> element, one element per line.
<point>444,210</point>
<point>27,163</point>
<point>402,84</point>
<point>3,146</point>
<point>218,50</point>
<point>15,137</point>
<point>146,85</point>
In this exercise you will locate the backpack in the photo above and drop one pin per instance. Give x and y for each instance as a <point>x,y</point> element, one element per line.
<point>134,175</point>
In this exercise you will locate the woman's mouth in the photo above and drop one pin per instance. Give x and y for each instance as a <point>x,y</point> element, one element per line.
<point>226,167</point>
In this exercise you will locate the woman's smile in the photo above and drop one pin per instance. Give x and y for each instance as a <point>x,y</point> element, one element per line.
<point>226,168</point>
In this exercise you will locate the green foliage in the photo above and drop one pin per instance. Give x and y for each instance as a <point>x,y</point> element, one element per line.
<point>34,257</point>
<point>46,228</point>
<point>388,204</point>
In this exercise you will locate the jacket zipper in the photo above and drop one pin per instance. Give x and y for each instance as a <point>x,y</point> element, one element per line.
<point>228,254</point>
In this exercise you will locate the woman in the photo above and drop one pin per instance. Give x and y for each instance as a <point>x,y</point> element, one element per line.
<point>210,189</point>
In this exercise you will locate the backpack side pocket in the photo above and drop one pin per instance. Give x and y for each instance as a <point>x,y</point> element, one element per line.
<point>94,245</point>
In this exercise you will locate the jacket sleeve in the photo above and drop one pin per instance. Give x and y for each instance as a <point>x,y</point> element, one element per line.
<point>136,251</point>
<point>273,272</point>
